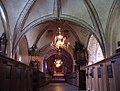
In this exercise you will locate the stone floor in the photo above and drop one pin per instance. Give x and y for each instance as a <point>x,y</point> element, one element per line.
<point>60,87</point>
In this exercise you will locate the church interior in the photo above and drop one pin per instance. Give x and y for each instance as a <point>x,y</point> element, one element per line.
<point>60,45</point>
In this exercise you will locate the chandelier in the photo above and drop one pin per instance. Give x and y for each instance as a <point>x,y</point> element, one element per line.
<point>59,41</point>
<point>58,63</point>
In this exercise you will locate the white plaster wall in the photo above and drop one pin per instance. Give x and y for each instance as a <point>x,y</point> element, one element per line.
<point>14,8</point>
<point>114,30</point>
<point>76,9</point>
<point>41,8</point>
<point>23,51</point>
<point>82,34</point>
<point>103,7</point>
<point>1,27</point>
<point>117,34</point>
<point>32,35</point>
<point>43,41</point>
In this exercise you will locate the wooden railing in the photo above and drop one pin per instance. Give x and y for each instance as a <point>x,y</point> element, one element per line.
<point>16,76</point>
<point>101,76</point>
<point>72,78</point>
<point>104,75</point>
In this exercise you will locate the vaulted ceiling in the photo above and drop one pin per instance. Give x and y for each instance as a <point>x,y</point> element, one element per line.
<point>34,19</point>
<point>43,34</point>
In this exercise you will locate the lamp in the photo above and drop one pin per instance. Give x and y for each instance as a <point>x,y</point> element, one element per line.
<point>58,63</point>
<point>59,41</point>
<point>58,59</point>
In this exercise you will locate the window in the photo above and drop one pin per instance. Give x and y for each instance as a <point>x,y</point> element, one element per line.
<point>94,51</point>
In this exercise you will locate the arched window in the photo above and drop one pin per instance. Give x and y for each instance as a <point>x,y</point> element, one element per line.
<point>94,51</point>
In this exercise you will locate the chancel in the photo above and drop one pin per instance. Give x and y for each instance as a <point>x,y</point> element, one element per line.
<point>59,45</point>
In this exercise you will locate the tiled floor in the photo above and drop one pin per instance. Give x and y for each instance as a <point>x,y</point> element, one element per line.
<point>60,87</point>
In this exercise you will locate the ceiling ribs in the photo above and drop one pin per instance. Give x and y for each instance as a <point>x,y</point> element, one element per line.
<point>96,22</point>
<point>57,8</point>
<point>21,21</point>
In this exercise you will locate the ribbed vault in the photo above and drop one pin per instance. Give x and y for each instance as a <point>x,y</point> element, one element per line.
<point>81,18</point>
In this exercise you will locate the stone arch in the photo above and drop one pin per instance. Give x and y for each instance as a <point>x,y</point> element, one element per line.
<point>64,54</point>
<point>20,23</point>
<point>22,51</point>
<point>47,18</point>
<point>110,27</point>
<point>96,23</point>
<point>25,13</point>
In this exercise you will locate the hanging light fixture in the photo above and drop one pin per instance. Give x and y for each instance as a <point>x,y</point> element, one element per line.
<point>59,41</point>
<point>58,59</point>
<point>58,62</point>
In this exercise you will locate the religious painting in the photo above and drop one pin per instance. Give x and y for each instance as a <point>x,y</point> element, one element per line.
<point>109,71</point>
<point>99,72</point>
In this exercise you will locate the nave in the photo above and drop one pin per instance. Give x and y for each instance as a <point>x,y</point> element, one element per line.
<point>16,76</point>
<point>61,86</point>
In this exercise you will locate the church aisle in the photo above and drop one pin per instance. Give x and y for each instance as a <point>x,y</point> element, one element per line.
<point>60,87</point>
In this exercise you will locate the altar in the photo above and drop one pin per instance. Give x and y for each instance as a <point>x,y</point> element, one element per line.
<point>58,77</point>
